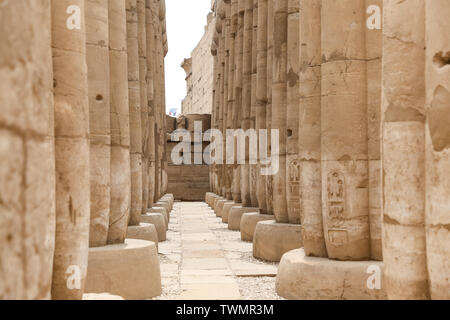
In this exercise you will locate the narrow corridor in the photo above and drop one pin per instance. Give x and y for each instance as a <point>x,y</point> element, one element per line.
<point>202,259</point>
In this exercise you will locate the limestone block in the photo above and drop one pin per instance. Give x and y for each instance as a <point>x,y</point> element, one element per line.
<point>271,240</point>
<point>248,224</point>
<point>310,278</point>
<point>158,220</point>
<point>235,216</point>
<point>129,270</point>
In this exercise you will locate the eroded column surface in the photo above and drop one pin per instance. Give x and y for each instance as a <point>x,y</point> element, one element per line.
<point>437,139</point>
<point>279,106</point>
<point>120,123</point>
<point>269,64</point>
<point>292,114</point>
<point>246,96</point>
<point>238,21</point>
<point>403,125</point>
<point>135,112</point>
<point>374,50</point>
<point>150,146</point>
<point>142,47</point>
<point>344,130</point>
<point>309,148</point>
<point>27,174</point>
<point>261,98</point>
<point>231,38</point>
<point>97,53</point>
<point>253,160</point>
<point>71,149</point>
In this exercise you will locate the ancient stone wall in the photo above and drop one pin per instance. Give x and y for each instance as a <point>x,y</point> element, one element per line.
<point>199,74</point>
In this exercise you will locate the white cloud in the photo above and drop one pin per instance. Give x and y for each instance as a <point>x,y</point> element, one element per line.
<point>186,21</point>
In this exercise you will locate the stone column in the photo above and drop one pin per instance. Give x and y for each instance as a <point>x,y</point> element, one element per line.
<point>254,105</point>
<point>292,114</point>
<point>27,154</point>
<point>269,63</point>
<point>97,53</point>
<point>310,128</point>
<point>120,124</point>
<point>437,138</point>
<point>225,110</point>
<point>247,20</point>
<point>238,21</point>
<point>134,94</point>
<point>142,47</point>
<point>403,125</point>
<point>279,105</point>
<point>344,130</point>
<point>374,48</point>
<point>231,34</point>
<point>71,149</point>
<point>151,151</point>
<point>261,96</point>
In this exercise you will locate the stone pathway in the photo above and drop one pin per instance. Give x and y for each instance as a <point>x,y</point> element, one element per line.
<point>203,260</point>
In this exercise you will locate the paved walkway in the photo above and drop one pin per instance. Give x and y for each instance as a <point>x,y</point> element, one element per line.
<point>203,260</point>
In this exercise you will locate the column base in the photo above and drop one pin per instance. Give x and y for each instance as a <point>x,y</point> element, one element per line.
<point>157,219</point>
<point>163,211</point>
<point>271,240</point>
<point>144,231</point>
<point>248,224</point>
<point>235,216</point>
<point>226,210</point>
<point>310,278</point>
<point>130,270</point>
<point>163,204</point>
<point>216,202</point>
<point>219,208</point>
<point>208,197</point>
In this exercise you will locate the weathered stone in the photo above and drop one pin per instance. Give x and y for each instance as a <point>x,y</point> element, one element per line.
<point>158,220</point>
<point>144,231</point>
<point>97,54</point>
<point>272,239</point>
<point>120,124</point>
<point>308,278</point>
<point>27,152</point>
<point>249,222</point>
<point>235,216</point>
<point>129,270</point>
<point>71,152</point>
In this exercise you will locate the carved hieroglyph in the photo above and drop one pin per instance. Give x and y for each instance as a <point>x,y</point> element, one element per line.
<point>310,128</point>
<point>292,113</point>
<point>344,127</point>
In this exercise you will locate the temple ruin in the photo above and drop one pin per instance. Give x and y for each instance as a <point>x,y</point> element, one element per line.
<point>344,188</point>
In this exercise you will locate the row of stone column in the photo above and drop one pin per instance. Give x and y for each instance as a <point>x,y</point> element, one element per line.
<point>82,152</point>
<point>363,134</point>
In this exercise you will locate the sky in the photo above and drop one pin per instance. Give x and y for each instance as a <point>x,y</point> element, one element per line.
<point>186,21</point>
